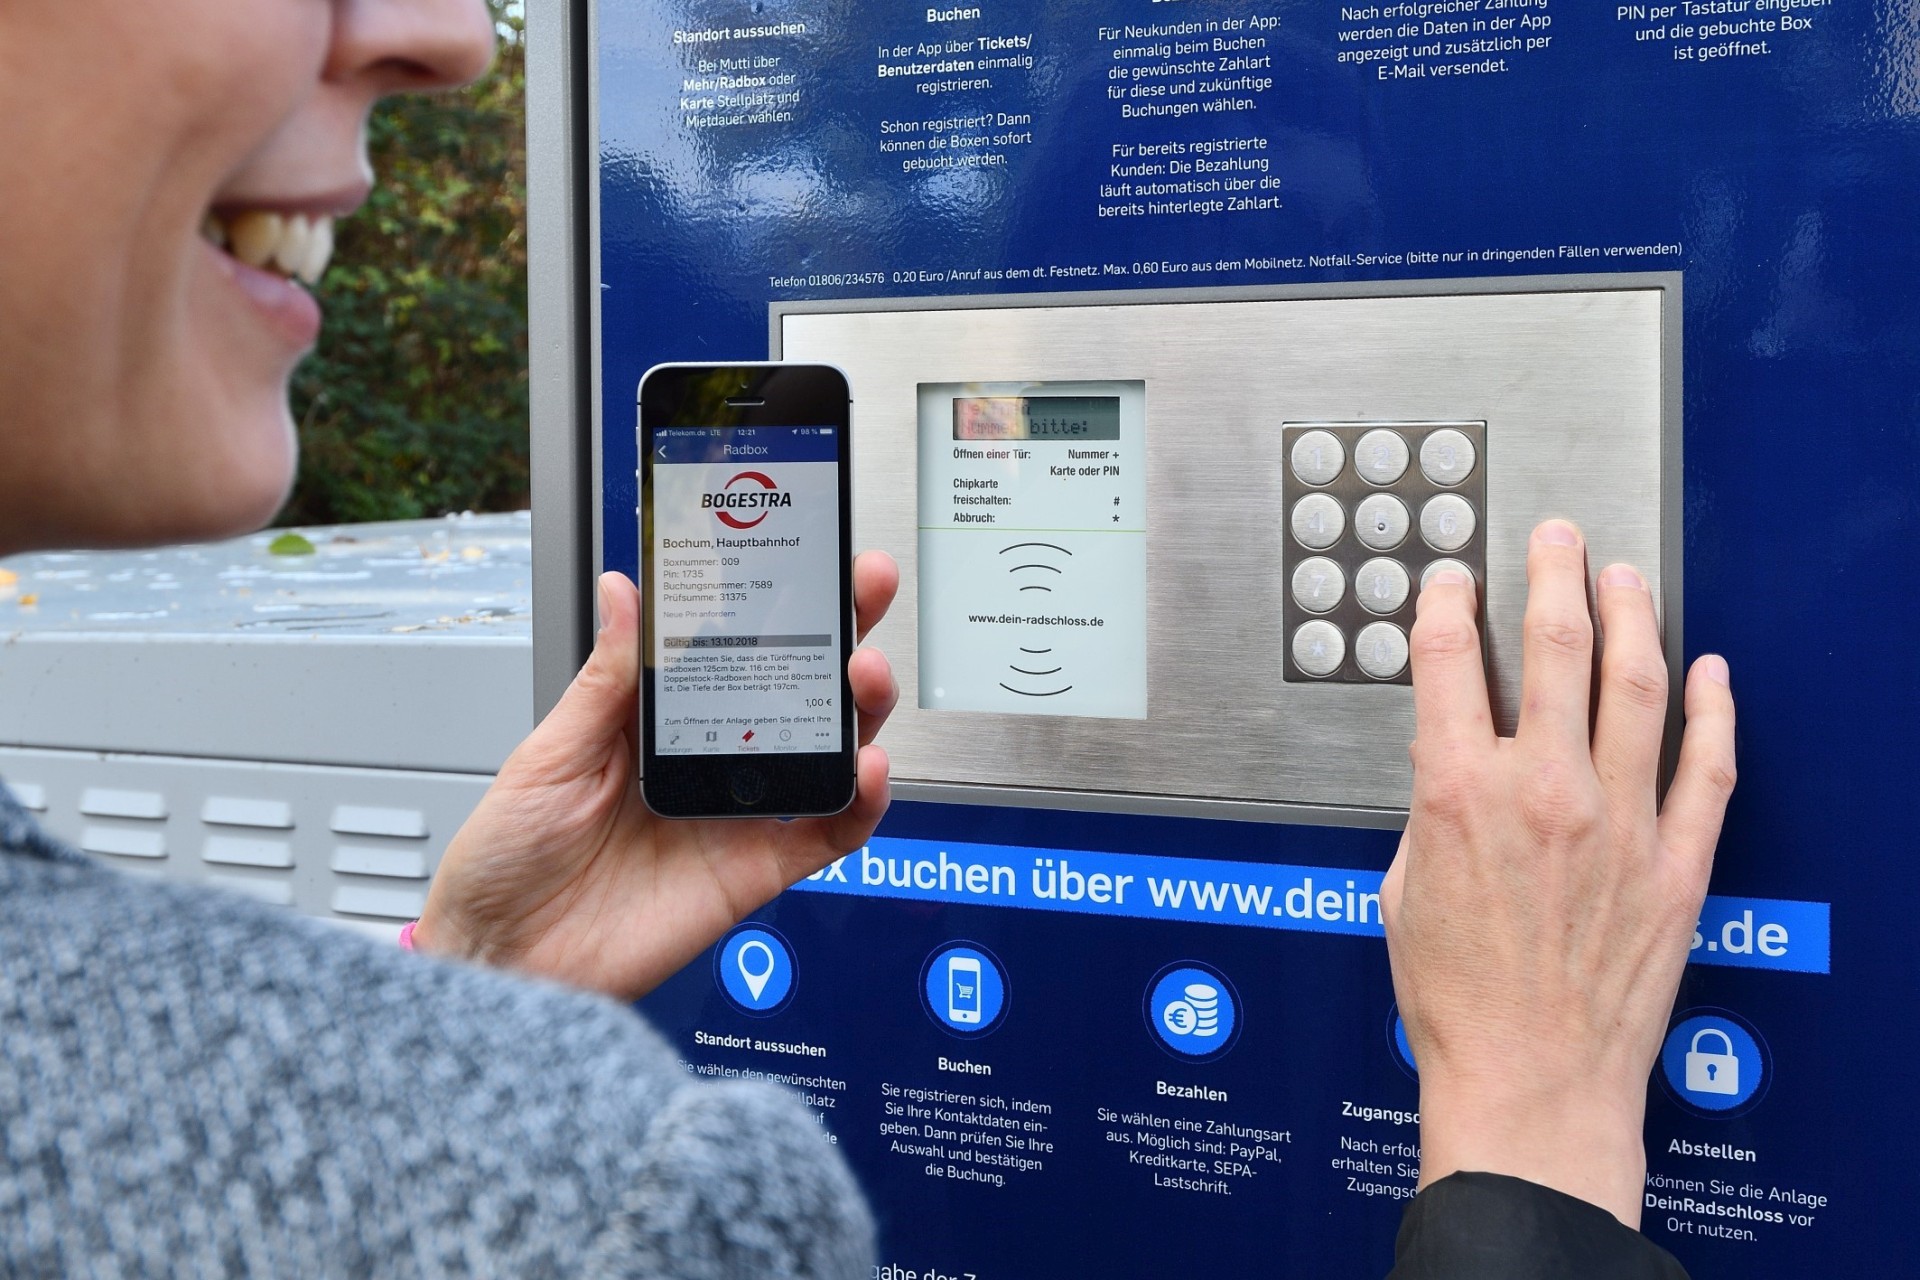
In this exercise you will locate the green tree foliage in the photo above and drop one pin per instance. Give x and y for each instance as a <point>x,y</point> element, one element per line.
<point>416,402</point>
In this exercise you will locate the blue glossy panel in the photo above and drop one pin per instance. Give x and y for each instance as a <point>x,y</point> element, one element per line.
<point>1784,184</point>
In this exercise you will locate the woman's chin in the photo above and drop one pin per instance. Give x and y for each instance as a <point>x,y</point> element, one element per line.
<point>254,497</point>
<point>232,492</point>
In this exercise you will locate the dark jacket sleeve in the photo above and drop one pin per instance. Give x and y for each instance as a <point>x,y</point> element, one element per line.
<point>1483,1226</point>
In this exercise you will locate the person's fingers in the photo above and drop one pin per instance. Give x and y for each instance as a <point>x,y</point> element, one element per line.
<point>875,580</point>
<point>1450,707</point>
<point>1556,647</point>
<point>1632,714</point>
<point>1697,800</point>
<point>808,845</point>
<point>874,690</point>
<point>599,705</point>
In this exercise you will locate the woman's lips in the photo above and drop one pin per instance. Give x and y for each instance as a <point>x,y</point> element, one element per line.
<point>264,253</point>
<point>268,245</point>
<point>289,309</point>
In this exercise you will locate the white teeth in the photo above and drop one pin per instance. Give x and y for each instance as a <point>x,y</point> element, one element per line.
<point>293,245</point>
<point>291,253</point>
<point>255,236</point>
<point>319,251</point>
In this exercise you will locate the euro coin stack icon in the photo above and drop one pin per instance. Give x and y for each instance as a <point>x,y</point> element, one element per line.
<point>1205,1000</point>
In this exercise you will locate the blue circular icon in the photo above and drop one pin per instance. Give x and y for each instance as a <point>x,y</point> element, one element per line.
<point>753,967</point>
<point>1714,1063</point>
<point>1402,1047</point>
<point>1193,1011</point>
<point>964,989</point>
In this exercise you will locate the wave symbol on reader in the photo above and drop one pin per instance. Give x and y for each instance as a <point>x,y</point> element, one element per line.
<point>1029,564</point>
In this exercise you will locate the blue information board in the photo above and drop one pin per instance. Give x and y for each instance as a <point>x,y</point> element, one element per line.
<point>1060,1044</point>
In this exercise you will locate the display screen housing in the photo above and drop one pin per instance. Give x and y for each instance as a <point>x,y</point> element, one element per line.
<point>1033,547</point>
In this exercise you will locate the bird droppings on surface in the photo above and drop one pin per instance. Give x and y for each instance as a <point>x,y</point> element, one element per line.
<point>468,574</point>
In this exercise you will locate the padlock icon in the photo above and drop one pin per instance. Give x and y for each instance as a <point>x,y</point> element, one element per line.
<point>1712,1072</point>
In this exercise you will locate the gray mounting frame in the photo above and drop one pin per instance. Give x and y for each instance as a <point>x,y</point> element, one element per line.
<point>563,329</point>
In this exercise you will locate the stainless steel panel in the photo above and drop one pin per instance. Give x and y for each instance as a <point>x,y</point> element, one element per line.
<point>1571,385</point>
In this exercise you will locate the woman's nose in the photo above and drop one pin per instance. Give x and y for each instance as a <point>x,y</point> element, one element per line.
<point>411,45</point>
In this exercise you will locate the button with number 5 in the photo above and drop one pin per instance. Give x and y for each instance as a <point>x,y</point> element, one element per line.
<point>1381,522</point>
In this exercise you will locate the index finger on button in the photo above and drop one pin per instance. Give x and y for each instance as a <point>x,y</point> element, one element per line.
<point>1556,647</point>
<point>1449,680</point>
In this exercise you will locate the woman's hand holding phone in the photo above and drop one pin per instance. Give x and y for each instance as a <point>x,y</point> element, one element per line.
<point>563,871</point>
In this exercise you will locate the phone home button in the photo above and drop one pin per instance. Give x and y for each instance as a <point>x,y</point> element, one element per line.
<point>749,785</point>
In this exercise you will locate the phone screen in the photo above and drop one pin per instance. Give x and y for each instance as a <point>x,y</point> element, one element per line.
<point>746,593</point>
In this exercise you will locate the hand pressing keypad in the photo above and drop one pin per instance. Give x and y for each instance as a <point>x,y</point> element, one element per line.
<point>1374,509</point>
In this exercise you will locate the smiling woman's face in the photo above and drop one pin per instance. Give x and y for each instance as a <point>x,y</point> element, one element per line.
<point>170,174</point>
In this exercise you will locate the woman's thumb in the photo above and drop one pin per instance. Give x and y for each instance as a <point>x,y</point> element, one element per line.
<point>600,702</point>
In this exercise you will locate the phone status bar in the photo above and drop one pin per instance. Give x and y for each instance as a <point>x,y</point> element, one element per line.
<point>692,444</point>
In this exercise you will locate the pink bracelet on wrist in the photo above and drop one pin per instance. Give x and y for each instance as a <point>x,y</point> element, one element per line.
<point>406,934</point>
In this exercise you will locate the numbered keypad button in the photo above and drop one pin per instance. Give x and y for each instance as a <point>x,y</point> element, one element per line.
<point>1373,510</point>
<point>1381,585</point>
<point>1318,584</point>
<point>1381,456</point>
<point>1318,521</point>
<point>1447,457</point>
<point>1381,650</point>
<point>1433,567</point>
<point>1381,522</point>
<point>1319,648</point>
<point>1447,522</point>
<point>1317,457</point>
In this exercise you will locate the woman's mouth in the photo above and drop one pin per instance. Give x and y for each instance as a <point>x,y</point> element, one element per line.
<point>269,255</point>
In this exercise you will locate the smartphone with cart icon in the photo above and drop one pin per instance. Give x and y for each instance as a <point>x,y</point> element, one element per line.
<point>963,989</point>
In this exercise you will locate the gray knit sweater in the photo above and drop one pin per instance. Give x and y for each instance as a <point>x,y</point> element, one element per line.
<point>195,1085</point>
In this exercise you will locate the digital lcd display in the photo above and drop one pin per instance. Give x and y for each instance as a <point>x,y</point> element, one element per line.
<point>1036,418</point>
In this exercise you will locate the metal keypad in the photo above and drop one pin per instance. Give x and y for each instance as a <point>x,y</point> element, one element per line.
<point>1403,497</point>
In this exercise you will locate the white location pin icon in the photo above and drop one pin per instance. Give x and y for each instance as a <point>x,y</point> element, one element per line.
<point>756,982</point>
